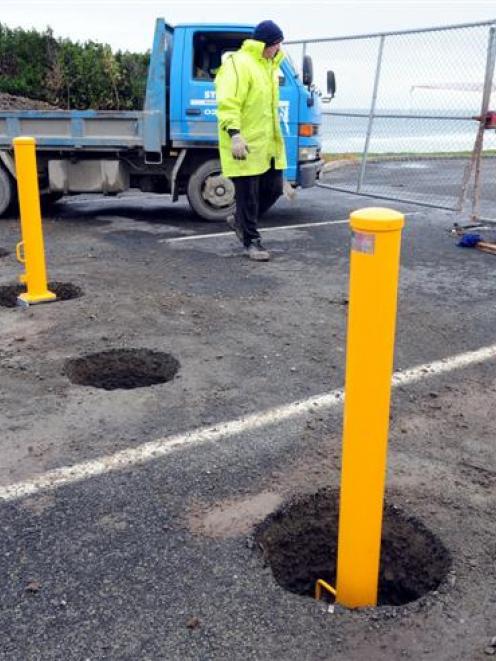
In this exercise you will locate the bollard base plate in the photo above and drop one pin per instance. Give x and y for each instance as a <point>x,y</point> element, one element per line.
<point>32,299</point>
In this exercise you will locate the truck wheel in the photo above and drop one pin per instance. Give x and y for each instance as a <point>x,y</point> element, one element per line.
<point>7,192</point>
<point>211,195</point>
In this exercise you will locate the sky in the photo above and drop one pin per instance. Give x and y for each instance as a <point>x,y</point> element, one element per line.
<point>456,57</point>
<point>128,24</point>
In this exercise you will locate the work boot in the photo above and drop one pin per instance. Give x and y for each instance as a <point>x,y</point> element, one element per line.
<point>231,221</point>
<point>257,252</point>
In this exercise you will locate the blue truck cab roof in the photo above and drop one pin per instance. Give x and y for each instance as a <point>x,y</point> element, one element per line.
<point>232,27</point>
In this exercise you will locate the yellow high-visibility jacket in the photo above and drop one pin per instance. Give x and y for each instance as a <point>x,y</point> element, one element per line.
<point>247,86</point>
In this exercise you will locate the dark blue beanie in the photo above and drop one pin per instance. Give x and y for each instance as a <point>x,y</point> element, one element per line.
<point>268,32</point>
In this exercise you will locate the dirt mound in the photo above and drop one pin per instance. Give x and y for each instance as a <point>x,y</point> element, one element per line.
<point>11,102</point>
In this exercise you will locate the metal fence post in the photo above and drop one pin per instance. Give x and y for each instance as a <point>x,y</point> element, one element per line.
<point>486,97</point>
<point>476,153</point>
<point>372,112</point>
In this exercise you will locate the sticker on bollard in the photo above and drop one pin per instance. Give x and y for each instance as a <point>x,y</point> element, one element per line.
<point>363,242</point>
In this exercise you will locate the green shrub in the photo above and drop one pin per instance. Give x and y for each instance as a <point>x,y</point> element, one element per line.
<point>70,74</point>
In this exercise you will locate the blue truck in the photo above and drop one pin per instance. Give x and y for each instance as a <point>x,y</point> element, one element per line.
<point>171,145</point>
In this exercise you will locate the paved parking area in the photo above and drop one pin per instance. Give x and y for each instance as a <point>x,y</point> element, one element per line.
<point>152,555</point>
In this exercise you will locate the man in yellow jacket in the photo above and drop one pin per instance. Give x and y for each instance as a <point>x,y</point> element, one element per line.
<point>251,145</point>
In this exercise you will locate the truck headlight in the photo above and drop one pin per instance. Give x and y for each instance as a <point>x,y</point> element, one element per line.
<point>307,154</point>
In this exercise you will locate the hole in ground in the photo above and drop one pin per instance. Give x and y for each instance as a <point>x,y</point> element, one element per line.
<point>63,290</point>
<point>122,368</point>
<point>300,544</point>
<point>3,252</point>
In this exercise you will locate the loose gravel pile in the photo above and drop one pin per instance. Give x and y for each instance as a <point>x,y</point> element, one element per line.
<point>11,102</point>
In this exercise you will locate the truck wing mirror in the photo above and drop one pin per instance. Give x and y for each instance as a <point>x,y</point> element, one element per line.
<point>331,84</point>
<point>307,70</point>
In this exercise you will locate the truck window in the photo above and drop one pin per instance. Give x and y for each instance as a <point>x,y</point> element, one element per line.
<point>208,49</point>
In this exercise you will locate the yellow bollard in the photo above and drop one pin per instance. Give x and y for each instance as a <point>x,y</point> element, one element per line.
<point>32,234</point>
<point>374,269</point>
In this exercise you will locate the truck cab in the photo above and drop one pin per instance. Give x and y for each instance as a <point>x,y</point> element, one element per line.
<point>171,145</point>
<point>193,111</point>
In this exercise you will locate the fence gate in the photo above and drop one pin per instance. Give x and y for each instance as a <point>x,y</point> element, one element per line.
<point>411,118</point>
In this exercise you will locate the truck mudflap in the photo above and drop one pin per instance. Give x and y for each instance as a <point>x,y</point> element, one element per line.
<point>308,173</point>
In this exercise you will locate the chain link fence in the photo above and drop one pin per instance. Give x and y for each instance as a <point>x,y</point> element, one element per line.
<point>403,125</point>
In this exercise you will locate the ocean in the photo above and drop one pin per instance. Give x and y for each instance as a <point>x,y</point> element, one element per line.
<point>399,135</point>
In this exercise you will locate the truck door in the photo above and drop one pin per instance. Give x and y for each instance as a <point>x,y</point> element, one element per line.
<point>288,115</point>
<point>199,52</point>
<point>202,57</point>
<point>203,51</point>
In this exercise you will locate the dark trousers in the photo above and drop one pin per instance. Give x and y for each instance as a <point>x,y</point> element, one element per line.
<point>254,195</point>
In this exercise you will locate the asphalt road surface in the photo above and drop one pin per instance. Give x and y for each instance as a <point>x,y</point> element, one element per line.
<point>156,555</point>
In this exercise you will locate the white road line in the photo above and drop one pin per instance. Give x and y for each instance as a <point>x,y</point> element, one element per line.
<point>193,237</point>
<point>224,430</point>
<point>215,235</point>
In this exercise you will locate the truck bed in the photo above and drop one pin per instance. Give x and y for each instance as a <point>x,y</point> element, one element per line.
<point>100,130</point>
<point>74,129</point>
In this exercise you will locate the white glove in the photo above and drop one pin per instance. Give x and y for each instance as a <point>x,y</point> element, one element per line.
<point>239,148</point>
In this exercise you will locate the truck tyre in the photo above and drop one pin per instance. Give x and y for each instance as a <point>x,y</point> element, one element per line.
<point>7,192</point>
<point>211,195</point>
